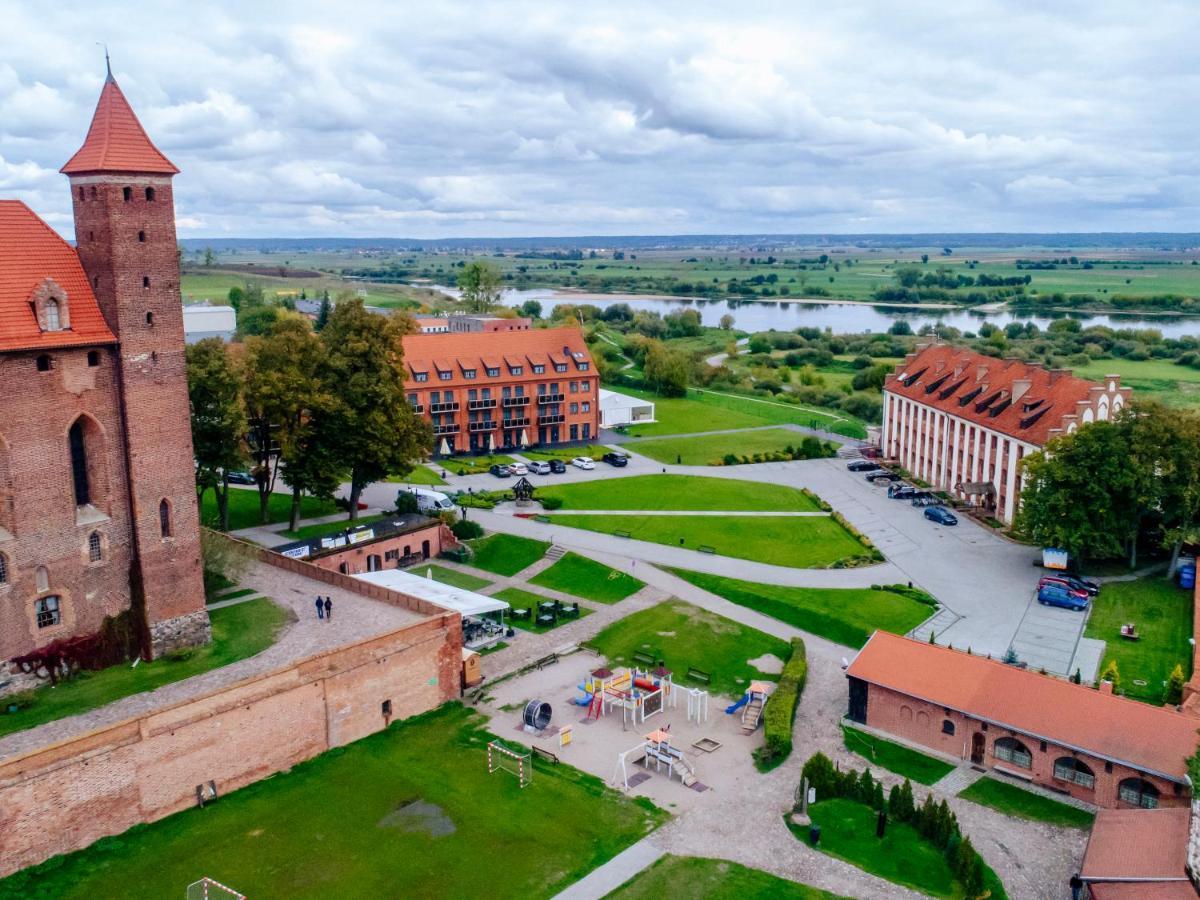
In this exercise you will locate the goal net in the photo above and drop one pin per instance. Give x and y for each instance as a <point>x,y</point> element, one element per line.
<point>503,759</point>
<point>207,889</point>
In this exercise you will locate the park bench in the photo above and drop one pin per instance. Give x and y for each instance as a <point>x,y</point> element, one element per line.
<point>622,534</point>
<point>548,660</point>
<point>699,675</point>
<point>546,755</point>
<point>543,519</point>
<point>704,548</point>
<point>645,657</point>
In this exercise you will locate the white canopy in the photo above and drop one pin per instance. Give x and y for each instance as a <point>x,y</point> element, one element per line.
<point>455,599</point>
<point>622,409</point>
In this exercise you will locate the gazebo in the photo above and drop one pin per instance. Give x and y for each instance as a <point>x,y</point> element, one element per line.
<point>523,491</point>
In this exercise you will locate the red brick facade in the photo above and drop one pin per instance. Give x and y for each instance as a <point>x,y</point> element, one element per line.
<point>385,552</point>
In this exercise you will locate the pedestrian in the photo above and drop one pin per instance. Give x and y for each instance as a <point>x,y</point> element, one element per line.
<point>320,607</point>
<point>328,609</point>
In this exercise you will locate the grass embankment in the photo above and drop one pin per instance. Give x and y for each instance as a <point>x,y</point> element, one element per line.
<point>566,454</point>
<point>519,599</point>
<point>239,631</point>
<point>582,577</point>
<point>422,475</point>
<point>843,615</point>
<point>243,508</point>
<point>710,449</point>
<point>322,529</point>
<point>506,554</point>
<point>1015,801</point>
<point>473,465</point>
<point>894,757</point>
<point>695,878</point>
<point>684,636</point>
<point>680,492</point>
<point>453,577</point>
<point>704,411</point>
<point>412,805</point>
<point>795,541</point>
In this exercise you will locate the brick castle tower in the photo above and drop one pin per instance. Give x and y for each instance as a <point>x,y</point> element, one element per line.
<point>125,237</point>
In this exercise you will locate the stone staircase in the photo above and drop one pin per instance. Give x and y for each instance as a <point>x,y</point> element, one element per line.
<point>935,624</point>
<point>555,552</point>
<point>847,452</point>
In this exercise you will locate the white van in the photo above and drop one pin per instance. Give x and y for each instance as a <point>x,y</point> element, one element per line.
<point>432,502</point>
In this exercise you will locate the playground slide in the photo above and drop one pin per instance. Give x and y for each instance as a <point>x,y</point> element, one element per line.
<point>585,700</point>
<point>730,710</point>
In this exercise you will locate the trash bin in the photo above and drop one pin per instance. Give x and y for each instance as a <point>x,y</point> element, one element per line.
<point>814,834</point>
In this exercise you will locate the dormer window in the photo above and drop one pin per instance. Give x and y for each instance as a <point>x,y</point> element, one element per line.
<point>51,319</point>
<point>420,376</point>
<point>516,370</point>
<point>493,373</point>
<point>50,308</point>
<point>539,370</point>
<point>560,367</point>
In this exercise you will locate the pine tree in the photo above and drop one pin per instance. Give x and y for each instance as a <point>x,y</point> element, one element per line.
<point>323,313</point>
<point>908,806</point>
<point>1173,695</point>
<point>894,802</point>
<point>877,800</point>
<point>1111,673</point>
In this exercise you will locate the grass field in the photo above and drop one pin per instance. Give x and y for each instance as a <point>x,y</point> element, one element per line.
<point>695,878</point>
<point>321,529</point>
<point>506,554</point>
<point>453,577</point>
<point>1015,801</point>
<point>1152,379</point>
<point>566,454</point>
<point>239,631</point>
<point>1162,612</point>
<point>519,599</point>
<point>243,508</point>
<point>582,577</point>
<point>894,757</point>
<point>710,449</point>
<point>844,615</point>
<point>473,465</point>
<point>902,856</point>
<point>345,825</point>
<point>686,636</point>
<point>706,411</point>
<point>679,492</point>
<point>419,475</point>
<point>796,541</point>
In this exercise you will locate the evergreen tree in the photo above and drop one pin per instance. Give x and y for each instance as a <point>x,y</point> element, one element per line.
<point>908,806</point>
<point>1173,695</point>
<point>323,313</point>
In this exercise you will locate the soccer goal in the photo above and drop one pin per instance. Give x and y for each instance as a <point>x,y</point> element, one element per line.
<point>207,889</point>
<point>501,758</point>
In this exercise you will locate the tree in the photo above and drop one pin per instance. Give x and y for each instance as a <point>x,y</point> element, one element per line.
<point>1173,695</point>
<point>479,282</point>
<point>1112,674</point>
<point>323,312</point>
<point>667,371</point>
<point>925,257</point>
<point>726,322</point>
<point>208,257</point>
<point>531,309</point>
<point>218,420</point>
<point>369,423</point>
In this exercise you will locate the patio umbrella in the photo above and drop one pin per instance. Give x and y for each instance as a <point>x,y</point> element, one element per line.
<point>429,574</point>
<point>492,442</point>
<point>524,438</point>
<point>445,448</point>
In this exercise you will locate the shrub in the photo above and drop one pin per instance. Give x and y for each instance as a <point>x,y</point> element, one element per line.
<point>1173,695</point>
<point>406,502</point>
<point>552,502</point>
<point>467,529</point>
<point>781,710</point>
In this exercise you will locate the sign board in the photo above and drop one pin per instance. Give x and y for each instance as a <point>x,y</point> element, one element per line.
<point>359,536</point>
<point>297,552</point>
<point>1053,558</point>
<point>330,542</point>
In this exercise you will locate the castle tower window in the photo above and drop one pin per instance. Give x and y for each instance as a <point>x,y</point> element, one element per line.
<point>93,193</point>
<point>3,569</point>
<point>93,358</point>
<point>141,237</point>
<point>149,318</point>
<point>145,281</point>
<point>95,282</point>
<point>81,192</point>
<point>45,363</point>
<point>79,465</point>
<point>51,315</point>
<point>127,193</point>
<point>150,194</point>
<point>95,548</point>
<point>47,612</point>
<point>164,518</point>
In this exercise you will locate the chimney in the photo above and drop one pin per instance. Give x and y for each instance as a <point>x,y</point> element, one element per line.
<point>980,373</point>
<point>1019,388</point>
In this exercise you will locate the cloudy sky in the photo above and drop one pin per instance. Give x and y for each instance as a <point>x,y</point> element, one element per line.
<point>439,119</point>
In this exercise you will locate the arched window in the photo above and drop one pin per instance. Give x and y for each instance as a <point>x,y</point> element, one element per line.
<point>95,548</point>
<point>1068,768</point>
<point>141,237</point>
<point>1013,751</point>
<point>127,193</point>
<point>947,726</point>
<point>3,569</point>
<point>150,194</point>
<point>41,579</point>
<point>149,318</point>
<point>79,464</point>
<point>164,518</point>
<point>45,362</point>
<point>51,317</point>
<point>1138,792</point>
<point>145,281</point>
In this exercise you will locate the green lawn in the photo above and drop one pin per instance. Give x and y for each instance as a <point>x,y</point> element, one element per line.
<point>307,532</point>
<point>1162,612</point>
<point>686,636</point>
<point>1015,801</point>
<point>243,508</point>
<point>843,615</point>
<point>473,465</point>
<point>419,475</point>
<point>676,492</point>
<point>239,631</point>
<point>234,594</point>
<point>710,449</point>
<point>582,577</point>
<point>902,856</point>
<point>506,554</point>
<point>341,825</point>
<point>566,454</point>
<point>1155,379</point>
<point>704,411</point>
<point>520,599</point>
<point>796,541</point>
<point>894,757</point>
<point>696,878</point>
<point>453,577</point>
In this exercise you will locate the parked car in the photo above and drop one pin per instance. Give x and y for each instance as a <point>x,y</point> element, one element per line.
<point>861,465</point>
<point>540,467</point>
<point>619,460</point>
<point>1074,582</point>
<point>901,491</point>
<point>941,515</point>
<point>557,466</point>
<point>924,498</point>
<point>879,475</point>
<point>241,478</point>
<point>1055,594</point>
<point>518,468</point>
<point>432,502</point>
<point>500,470</point>
<point>583,462</point>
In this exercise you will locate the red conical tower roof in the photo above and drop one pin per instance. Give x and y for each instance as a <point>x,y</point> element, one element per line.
<point>116,141</point>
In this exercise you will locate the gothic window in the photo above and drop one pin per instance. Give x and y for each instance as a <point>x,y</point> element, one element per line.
<point>149,318</point>
<point>93,193</point>
<point>81,192</point>
<point>1067,768</point>
<point>127,193</point>
<point>45,363</point>
<point>79,465</point>
<point>95,548</point>
<point>47,612</point>
<point>150,194</point>
<point>164,518</point>
<point>50,316</point>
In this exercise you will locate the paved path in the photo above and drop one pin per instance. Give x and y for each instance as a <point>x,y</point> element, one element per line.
<point>777,514</point>
<point>614,873</point>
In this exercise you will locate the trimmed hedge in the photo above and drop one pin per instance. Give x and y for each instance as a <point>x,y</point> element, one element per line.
<point>781,710</point>
<point>552,503</point>
<point>466,529</point>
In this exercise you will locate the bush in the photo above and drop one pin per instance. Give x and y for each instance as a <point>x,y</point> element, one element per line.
<point>467,529</point>
<point>781,710</point>
<point>406,502</point>
<point>552,502</point>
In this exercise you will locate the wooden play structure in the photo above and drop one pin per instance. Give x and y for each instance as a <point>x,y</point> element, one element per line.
<point>655,749</point>
<point>638,694</point>
<point>751,705</point>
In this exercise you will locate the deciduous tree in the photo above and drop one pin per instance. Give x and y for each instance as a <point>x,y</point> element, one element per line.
<point>479,282</point>
<point>218,420</point>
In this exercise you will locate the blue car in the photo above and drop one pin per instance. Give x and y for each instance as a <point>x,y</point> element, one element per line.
<point>941,515</point>
<point>1052,593</point>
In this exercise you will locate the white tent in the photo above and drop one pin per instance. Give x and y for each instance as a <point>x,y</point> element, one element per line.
<point>621,409</point>
<point>492,442</point>
<point>455,599</point>
<point>444,449</point>
<point>524,438</point>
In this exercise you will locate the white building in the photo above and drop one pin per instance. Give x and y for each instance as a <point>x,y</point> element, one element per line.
<point>621,409</point>
<point>962,421</point>
<point>201,321</point>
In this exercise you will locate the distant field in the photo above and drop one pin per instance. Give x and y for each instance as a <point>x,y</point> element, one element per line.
<point>215,286</point>
<point>1156,379</point>
<point>710,449</point>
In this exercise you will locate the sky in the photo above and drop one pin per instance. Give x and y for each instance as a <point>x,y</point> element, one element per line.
<point>470,119</point>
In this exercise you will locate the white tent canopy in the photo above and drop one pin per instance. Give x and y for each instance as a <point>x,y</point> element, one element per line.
<point>621,409</point>
<point>455,599</point>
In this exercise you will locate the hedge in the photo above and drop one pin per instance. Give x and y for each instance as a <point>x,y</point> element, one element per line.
<point>780,712</point>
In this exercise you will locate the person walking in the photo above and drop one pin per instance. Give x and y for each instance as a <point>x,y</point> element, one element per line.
<point>320,607</point>
<point>328,609</point>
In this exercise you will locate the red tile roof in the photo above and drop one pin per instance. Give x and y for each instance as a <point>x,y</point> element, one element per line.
<point>1138,844</point>
<point>943,376</point>
<point>456,350</point>
<point>116,141</point>
<point>30,252</point>
<point>1148,738</point>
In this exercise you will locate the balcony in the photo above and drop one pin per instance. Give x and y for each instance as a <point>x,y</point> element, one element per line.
<point>515,422</point>
<point>550,398</point>
<point>551,420</point>
<point>489,425</point>
<point>448,428</point>
<point>516,401</point>
<point>452,406</point>
<point>481,404</point>
<point>418,408</point>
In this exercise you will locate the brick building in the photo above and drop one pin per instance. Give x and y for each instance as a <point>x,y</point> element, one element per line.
<point>503,390</point>
<point>1095,746</point>
<point>401,540</point>
<point>97,498</point>
<point>962,421</point>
